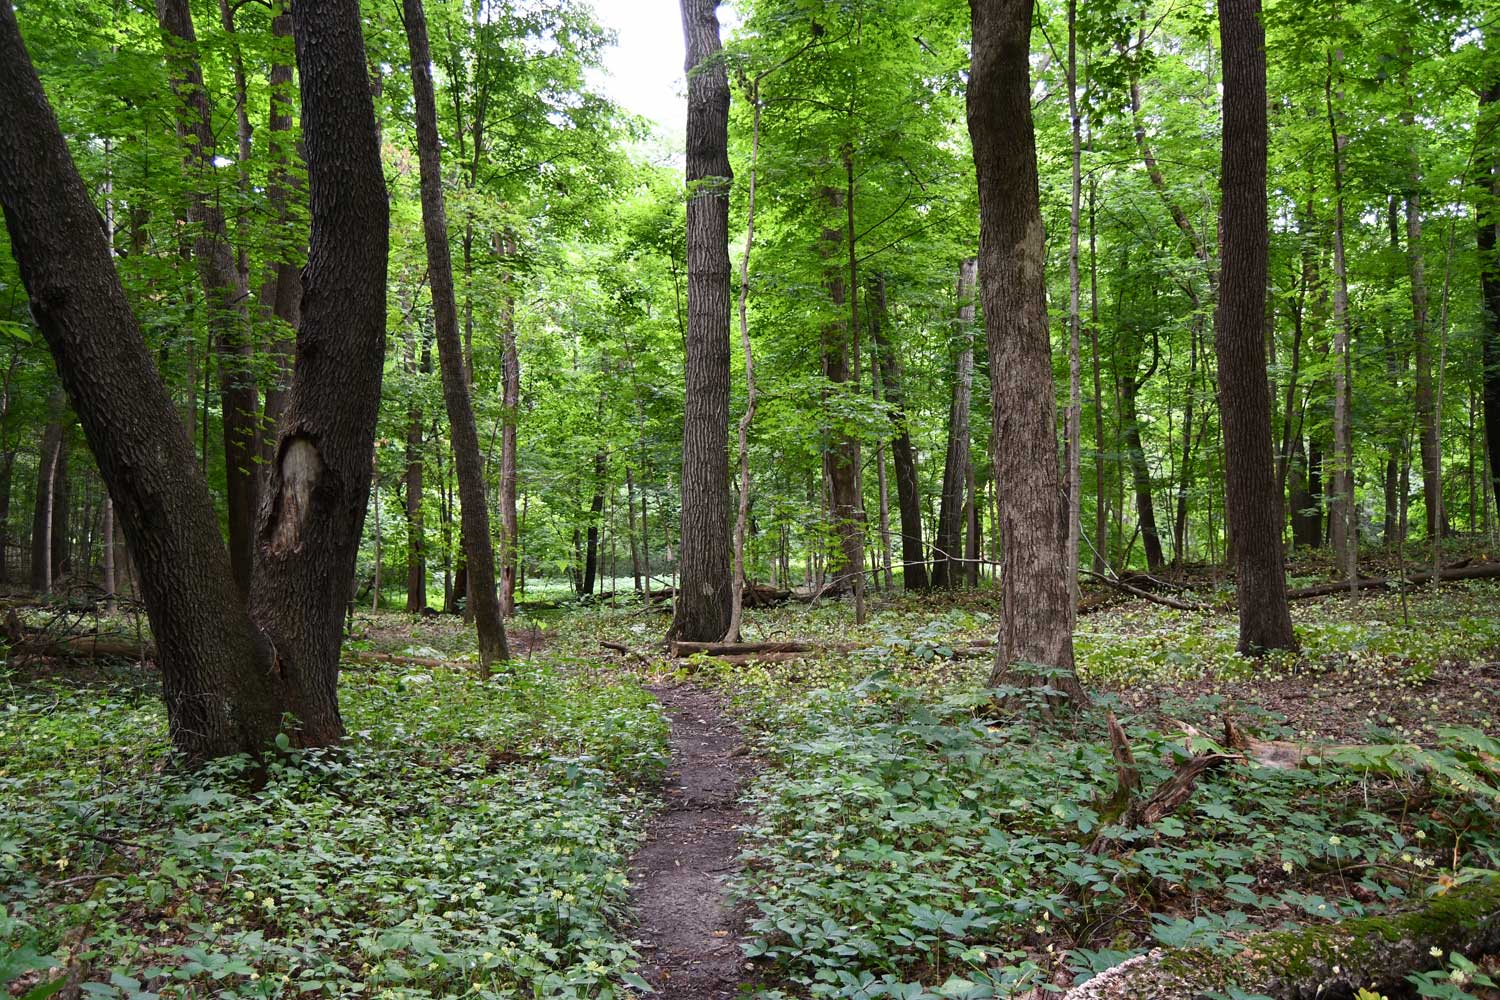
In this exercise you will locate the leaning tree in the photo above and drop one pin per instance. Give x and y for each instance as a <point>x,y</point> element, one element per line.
<point>232,668</point>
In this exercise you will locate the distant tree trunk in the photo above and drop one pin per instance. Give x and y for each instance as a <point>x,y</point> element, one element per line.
<point>882,475</point>
<point>973,551</point>
<point>1251,500</point>
<point>109,554</point>
<point>596,508</point>
<point>281,292</point>
<point>224,290</point>
<point>510,400</point>
<point>48,454</point>
<point>1140,472</point>
<point>703,598</point>
<point>1101,509</point>
<point>1489,279</point>
<point>1305,527</point>
<point>7,478</point>
<point>908,498</point>
<point>479,556</point>
<point>1074,433</point>
<point>1341,513</point>
<point>947,568</point>
<point>1185,470</point>
<point>416,532</point>
<point>59,511</point>
<point>1427,429</point>
<point>1037,598</point>
<point>841,455</point>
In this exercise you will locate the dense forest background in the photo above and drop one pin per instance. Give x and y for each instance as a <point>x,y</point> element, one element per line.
<point>570,267</point>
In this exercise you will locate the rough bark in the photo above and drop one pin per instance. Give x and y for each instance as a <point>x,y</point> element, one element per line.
<point>281,292</point>
<point>1074,432</point>
<point>947,565</point>
<point>224,289</point>
<point>313,511</point>
<point>1489,281</point>
<point>702,606</point>
<point>214,683</point>
<point>903,456</point>
<point>1251,500</point>
<point>1037,600</point>
<point>473,503</point>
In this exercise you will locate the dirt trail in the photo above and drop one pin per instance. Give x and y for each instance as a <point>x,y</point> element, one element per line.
<point>689,933</point>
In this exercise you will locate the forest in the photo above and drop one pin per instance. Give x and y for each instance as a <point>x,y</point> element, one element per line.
<point>990,500</point>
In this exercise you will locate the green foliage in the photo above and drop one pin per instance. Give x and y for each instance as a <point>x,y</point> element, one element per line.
<point>470,837</point>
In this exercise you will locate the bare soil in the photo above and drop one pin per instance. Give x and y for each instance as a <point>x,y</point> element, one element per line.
<point>688,931</point>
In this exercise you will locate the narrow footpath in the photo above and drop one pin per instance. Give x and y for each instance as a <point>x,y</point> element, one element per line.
<point>689,933</point>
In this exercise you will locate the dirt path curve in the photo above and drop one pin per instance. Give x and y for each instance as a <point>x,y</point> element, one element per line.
<point>689,933</point>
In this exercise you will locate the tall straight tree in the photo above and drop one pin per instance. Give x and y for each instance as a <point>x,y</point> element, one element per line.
<point>1037,631</point>
<point>908,497</point>
<point>947,559</point>
<point>703,598</point>
<point>226,681</point>
<point>1251,500</point>
<point>224,288</point>
<point>479,554</point>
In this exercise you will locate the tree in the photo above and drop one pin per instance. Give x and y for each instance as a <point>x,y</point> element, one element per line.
<point>1037,599</point>
<point>474,504</point>
<point>703,598</point>
<point>1252,503</point>
<point>226,681</point>
<point>947,561</point>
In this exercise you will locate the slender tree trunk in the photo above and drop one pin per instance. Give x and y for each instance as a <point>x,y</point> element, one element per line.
<point>703,600</point>
<point>1037,598</point>
<point>845,570</point>
<point>510,400</point>
<point>1075,364</point>
<point>1342,513</point>
<point>1185,471</point>
<point>903,457</point>
<point>882,476</point>
<point>48,453</point>
<point>479,556</point>
<point>973,551</point>
<point>224,290</point>
<point>596,508</point>
<point>1251,500</point>
<point>1101,508</point>
<point>1140,472</point>
<point>1489,276</point>
<point>59,511</point>
<point>947,569</point>
<point>416,531</point>
<point>1427,429</point>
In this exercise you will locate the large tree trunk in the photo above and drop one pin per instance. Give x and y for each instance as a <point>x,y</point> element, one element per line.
<point>313,512</point>
<point>841,455</point>
<point>215,684</point>
<point>1251,499</point>
<point>1037,597</point>
<point>908,497</point>
<point>703,597</point>
<point>474,504</point>
<point>224,289</point>
<point>947,565</point>
<point>1074,432</point>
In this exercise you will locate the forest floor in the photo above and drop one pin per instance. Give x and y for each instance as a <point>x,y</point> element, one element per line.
<point>857,823</point>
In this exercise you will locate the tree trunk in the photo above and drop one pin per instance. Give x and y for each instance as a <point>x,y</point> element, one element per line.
<point>214,678</point>
<point>1101,509</point>
<point>903,457</point>
<point>510,400</point>
<point>41,515</point>
<point>313,512</point>
<point>702,603</point>
<point>1342,513</point>
<point>1074,433</point>
<point>1140,472</point>
<point>1185,470</point>
<point>1489,279</point>
<point>469,463</point>
<point>224,290</point>
<point>1037,598</point>
<point>596,508</point>
<point>1251,500</point>
<point>1427,429</point>
<point>841,455</point>
<point>281,292</point>
<point>973,551</point>
<point>59,511</point>
<point>416,532</point>
<point>947,567</point>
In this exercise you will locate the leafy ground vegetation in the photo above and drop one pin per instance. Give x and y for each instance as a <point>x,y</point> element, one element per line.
<point>907,839</point>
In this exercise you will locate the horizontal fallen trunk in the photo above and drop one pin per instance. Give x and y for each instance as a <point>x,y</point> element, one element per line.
<point>1323,961</point>
<point>1449,574</point>
<point>741,648</point>
<point>83,646</point>
<point>368,657</point>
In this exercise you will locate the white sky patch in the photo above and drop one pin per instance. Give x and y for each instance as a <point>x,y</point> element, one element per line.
<point>644,69</point>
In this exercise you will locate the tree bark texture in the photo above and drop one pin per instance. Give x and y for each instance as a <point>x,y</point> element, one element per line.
<point>473,503</point>
<point>1037,599</point>
<point>1251,500</point>
<point>703,598</point>
<point>313,512</point>
<point>281,292</point>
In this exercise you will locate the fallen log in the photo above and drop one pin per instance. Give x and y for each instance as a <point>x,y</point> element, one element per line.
<point>1323,961</point>
<point>1449,574</point>
<point>370,657</point>
<point>1146,595</point>
<point>742,648</point>
<point>84,647</point>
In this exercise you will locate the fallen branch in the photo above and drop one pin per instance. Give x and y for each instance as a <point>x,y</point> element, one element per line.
<point>742,648</point>
<point>1322,960</point>
<point>1167,799</point>
<point>1449,574</point>
<point>366,656</point>
<point>1146,595</point>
